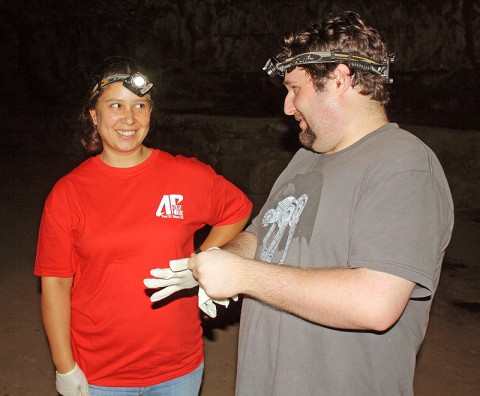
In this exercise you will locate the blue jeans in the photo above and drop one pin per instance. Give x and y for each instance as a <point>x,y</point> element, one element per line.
<point>186,385</point>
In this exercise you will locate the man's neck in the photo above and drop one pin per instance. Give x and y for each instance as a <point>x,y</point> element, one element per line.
<point>365,118</point>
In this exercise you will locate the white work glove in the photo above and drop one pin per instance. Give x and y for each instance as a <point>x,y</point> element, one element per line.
<point>206,304</point>
<point>73,383</point>
<point>171,279</point>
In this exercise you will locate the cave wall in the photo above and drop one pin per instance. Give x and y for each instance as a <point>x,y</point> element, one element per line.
<point>213,100</point>
<point>207,55</point>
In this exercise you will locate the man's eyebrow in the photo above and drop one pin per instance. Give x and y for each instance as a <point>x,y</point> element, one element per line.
<point>289,83</point>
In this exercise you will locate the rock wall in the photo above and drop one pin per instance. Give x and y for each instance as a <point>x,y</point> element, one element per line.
<point>249,151</point>
<point>207,55</point>
<point>213,100</point>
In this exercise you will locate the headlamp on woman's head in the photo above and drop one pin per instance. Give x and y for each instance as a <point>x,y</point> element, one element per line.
<point>355,62</point>
<point>137,83</point>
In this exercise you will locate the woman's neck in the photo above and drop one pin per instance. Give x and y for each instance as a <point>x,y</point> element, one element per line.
<point>125,160</point>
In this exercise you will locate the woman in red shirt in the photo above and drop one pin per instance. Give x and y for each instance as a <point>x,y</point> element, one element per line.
<point>125,210</point>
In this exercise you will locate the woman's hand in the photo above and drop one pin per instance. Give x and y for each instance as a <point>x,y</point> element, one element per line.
<point>73,383</point>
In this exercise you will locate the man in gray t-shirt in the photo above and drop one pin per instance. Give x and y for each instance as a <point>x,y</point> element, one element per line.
<point>340,266</point>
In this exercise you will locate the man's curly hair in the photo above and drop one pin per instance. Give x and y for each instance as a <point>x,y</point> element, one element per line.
<point>343,32</point>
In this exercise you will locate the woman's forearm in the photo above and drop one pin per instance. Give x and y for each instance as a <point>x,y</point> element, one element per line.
<point>220,235</point>
<point>56,313</point>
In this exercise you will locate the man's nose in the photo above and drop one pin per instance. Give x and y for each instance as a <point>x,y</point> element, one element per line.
<point>288,106</point>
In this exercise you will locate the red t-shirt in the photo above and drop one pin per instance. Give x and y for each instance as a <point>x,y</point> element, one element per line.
<point>108,227</point>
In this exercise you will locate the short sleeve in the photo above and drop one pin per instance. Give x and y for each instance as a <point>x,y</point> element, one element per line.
<point>228,203</point>
<point>55,252</point>
<point>399,228</point>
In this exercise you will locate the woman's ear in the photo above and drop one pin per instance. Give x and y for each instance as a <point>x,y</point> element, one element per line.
<point>93,114</point>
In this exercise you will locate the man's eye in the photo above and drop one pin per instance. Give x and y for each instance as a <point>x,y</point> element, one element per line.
<point>140,105</point>
<point>115,105</point>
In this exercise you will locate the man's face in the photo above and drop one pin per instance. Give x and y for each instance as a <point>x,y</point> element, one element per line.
<point>317,112</point>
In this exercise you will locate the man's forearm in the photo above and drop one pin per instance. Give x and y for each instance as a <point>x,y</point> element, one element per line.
<point>343,298</point>
<point>244,244</point>
<point>336,297</point>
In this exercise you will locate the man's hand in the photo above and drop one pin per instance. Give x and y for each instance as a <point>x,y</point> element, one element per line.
<point>73,383</point>
<point>170,279</point>
<point>218,272</point>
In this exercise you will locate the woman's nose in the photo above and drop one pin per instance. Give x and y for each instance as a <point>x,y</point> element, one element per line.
<point>128,115</point>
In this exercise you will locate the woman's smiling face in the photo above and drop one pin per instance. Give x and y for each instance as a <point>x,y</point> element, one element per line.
<point>122,119</point>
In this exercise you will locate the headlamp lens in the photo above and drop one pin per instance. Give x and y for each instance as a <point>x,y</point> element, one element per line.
<point>137,83</point>
<point>271,67</point>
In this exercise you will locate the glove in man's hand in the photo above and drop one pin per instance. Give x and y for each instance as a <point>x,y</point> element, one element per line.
<point>171,279</point>
<point>73,383</point>
<point>218,272</point>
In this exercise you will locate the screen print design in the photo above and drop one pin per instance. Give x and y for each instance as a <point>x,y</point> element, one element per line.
<point>292,214</point>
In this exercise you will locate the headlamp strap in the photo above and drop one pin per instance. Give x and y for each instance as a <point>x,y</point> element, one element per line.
<point>137,83</point>
<point>110,80</point>
<point>355,62</point>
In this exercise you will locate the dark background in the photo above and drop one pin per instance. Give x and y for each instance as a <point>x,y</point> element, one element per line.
<point>213,101</point>
<point>206,55</point>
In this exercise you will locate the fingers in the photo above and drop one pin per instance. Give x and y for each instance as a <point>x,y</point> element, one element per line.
<point>164,293</point>
<point>163,278</point>
<point>157,283</point>
<point>179,265</point>
<point>162,273</point>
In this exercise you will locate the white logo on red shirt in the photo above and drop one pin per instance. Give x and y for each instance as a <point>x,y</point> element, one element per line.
<point>169,207</point>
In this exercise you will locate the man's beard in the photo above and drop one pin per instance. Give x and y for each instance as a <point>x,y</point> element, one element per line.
<point>307,138</point>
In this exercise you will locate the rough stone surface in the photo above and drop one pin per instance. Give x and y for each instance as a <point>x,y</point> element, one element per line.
<point>212,99</point>
<point>249,151</point>
<point>207,55</point>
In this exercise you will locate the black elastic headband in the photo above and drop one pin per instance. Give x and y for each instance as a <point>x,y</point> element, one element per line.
<point>356,62</point>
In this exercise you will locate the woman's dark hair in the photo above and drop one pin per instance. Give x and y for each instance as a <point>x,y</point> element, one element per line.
<point>91,139</point>
<point>343,32</point>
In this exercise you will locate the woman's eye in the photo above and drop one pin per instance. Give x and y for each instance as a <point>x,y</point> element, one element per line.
<point>140,105</point>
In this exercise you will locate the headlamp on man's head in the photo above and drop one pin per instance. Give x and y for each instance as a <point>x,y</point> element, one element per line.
<point>137,83</point>
<point>355,62</point>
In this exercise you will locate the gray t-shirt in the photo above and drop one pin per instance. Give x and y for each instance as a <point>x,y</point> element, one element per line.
<point>384,204</point>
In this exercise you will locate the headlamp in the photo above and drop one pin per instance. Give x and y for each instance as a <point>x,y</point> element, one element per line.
<point>137,83</point>
<point>355,62</point>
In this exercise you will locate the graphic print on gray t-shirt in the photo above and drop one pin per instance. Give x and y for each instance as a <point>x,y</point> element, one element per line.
<point>280,225</point>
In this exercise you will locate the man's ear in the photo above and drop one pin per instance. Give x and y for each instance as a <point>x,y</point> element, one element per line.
<point>93,114</point>
<point>343,78</point>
